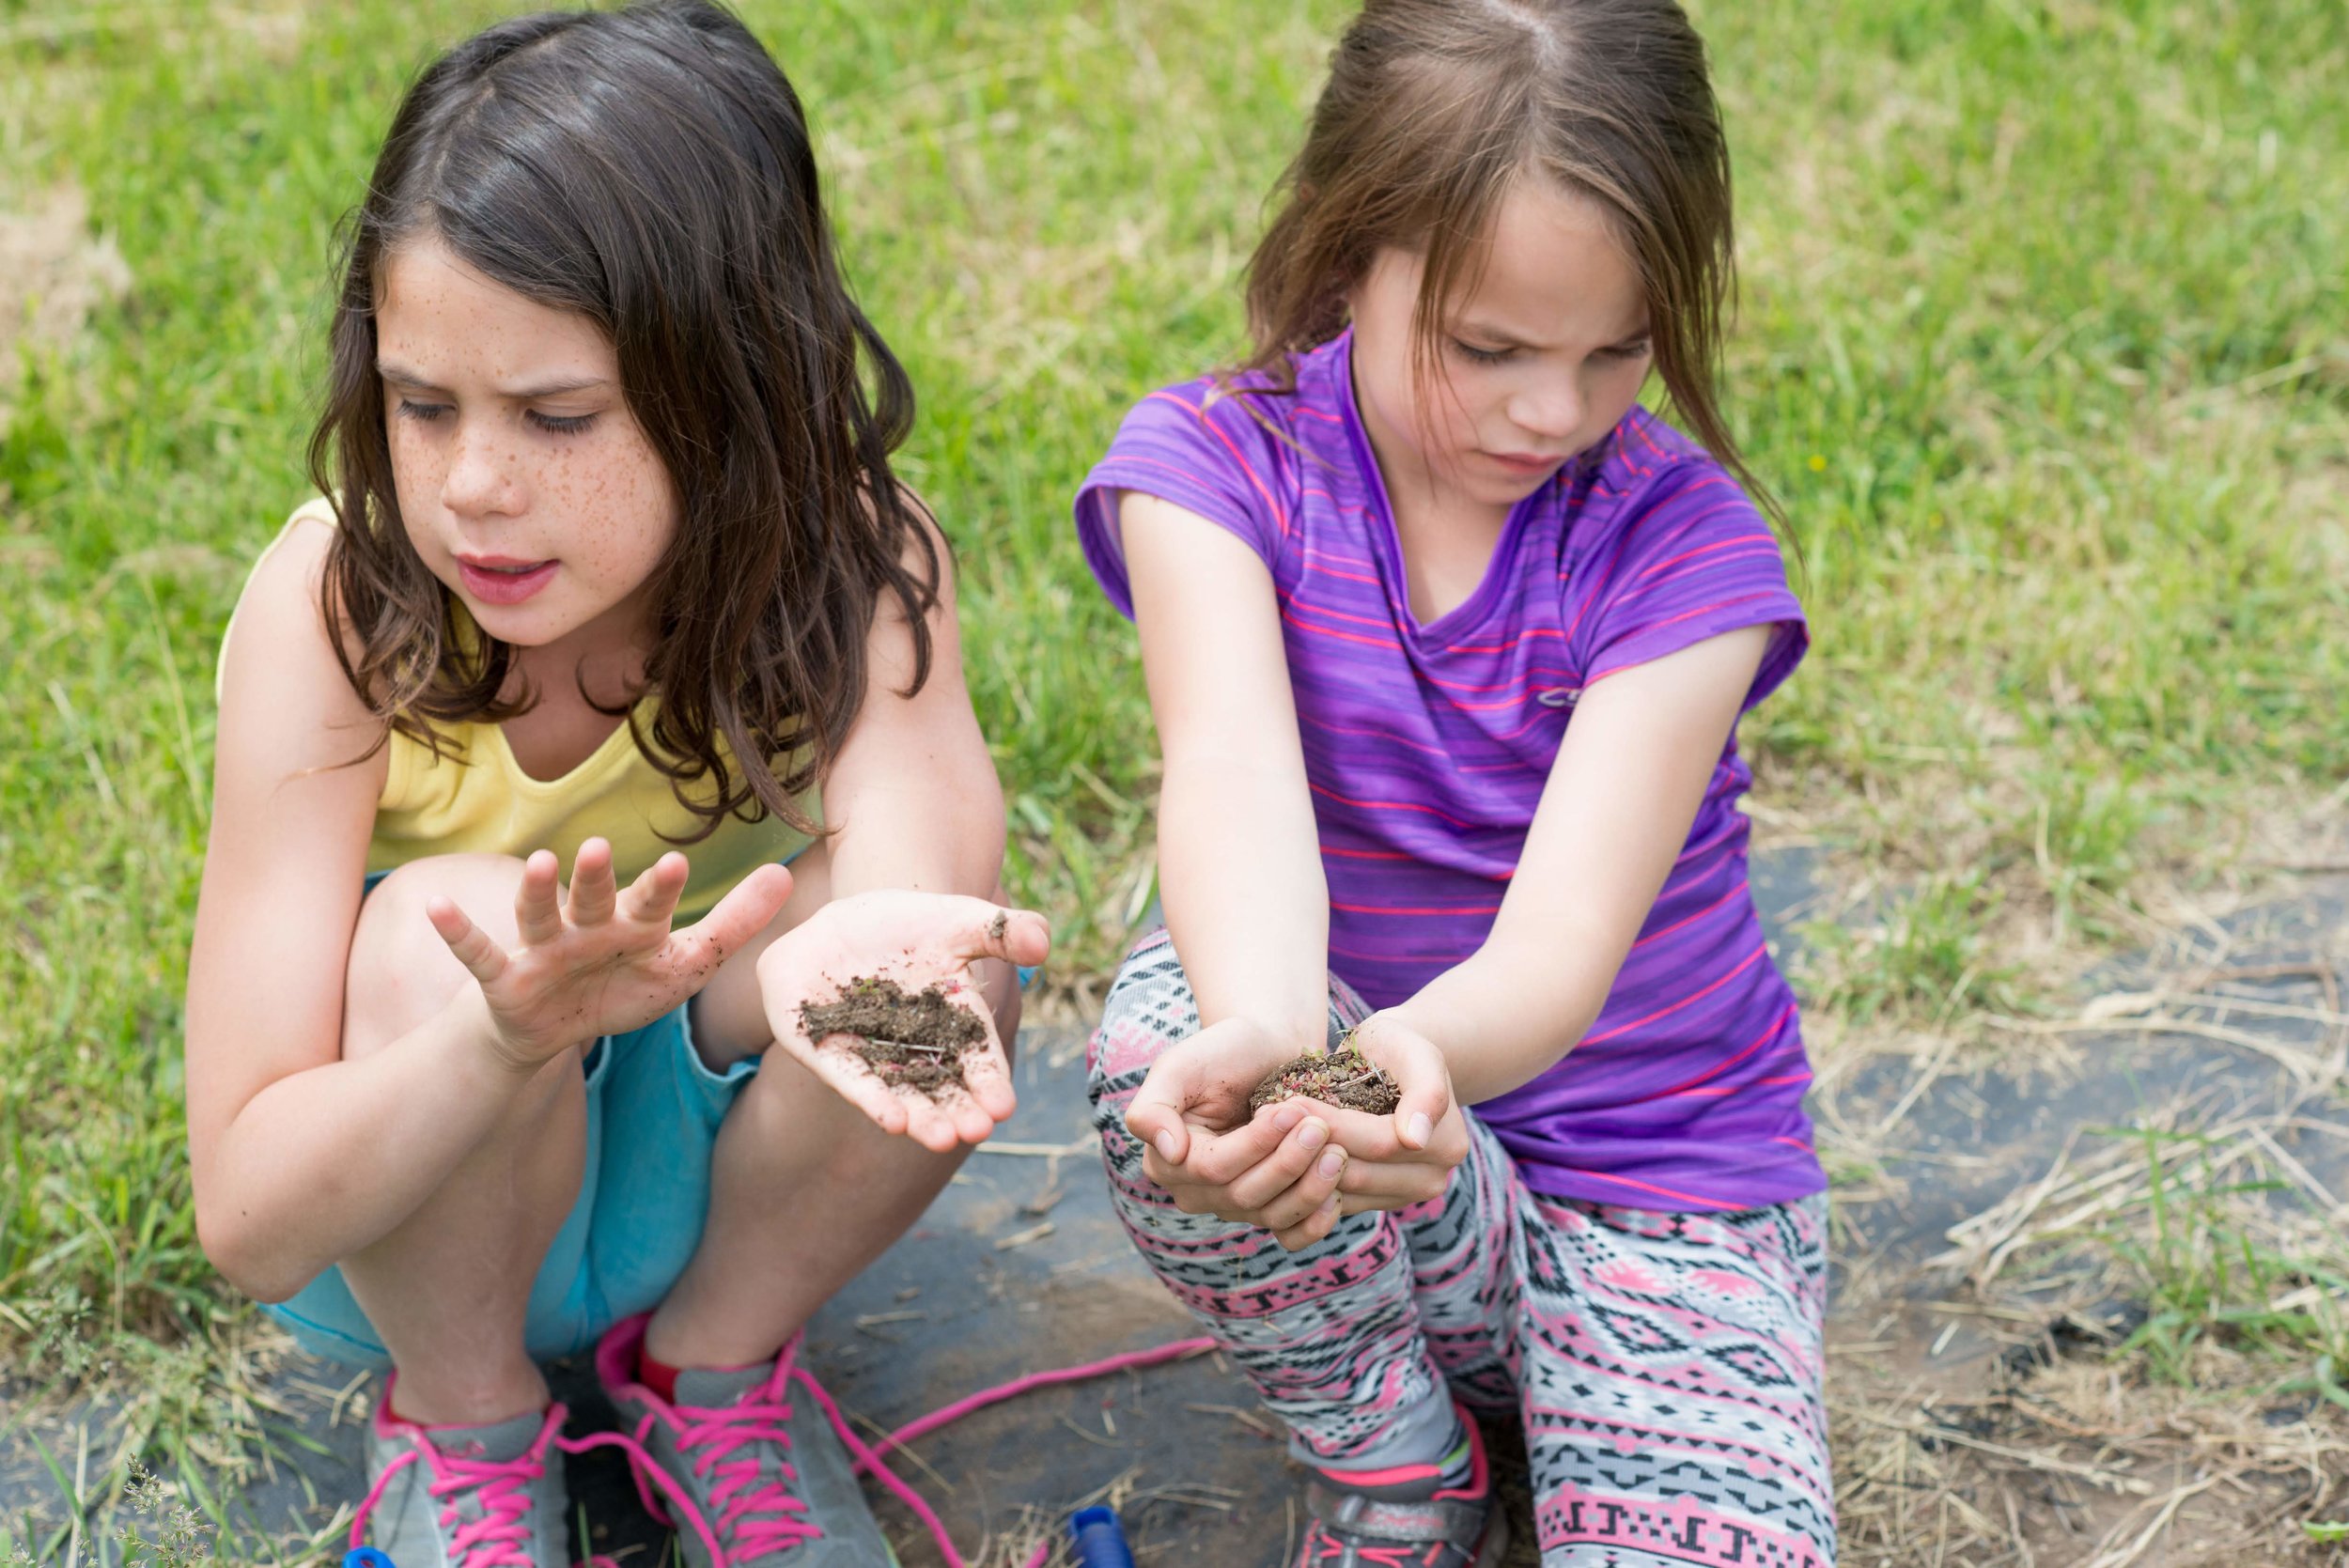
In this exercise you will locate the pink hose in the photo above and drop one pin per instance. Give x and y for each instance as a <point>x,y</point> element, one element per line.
<point>868,1456</point>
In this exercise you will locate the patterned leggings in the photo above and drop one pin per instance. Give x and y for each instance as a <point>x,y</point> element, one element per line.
<point>1666,1367</point>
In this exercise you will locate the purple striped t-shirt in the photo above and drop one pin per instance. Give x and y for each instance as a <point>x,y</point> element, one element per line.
<point>1427,747</point>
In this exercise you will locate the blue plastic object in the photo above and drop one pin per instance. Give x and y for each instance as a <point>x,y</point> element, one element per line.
<point>1101,1539</point>
<point>366,1557</point>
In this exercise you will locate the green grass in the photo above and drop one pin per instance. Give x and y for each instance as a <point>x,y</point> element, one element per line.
<point>2044,349</point>
<point>2208,1257</point>
<point>1928,957</point>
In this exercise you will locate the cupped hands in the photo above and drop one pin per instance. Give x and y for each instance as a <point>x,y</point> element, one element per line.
<point>1295,1166</point>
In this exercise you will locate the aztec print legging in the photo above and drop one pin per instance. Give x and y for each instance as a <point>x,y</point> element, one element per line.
<point>1666,1367</point>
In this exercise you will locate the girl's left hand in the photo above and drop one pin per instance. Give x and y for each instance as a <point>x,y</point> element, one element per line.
<point>1401,1159</point>
<point>917,940</point>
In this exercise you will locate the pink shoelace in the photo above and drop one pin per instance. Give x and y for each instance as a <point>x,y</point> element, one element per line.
<point>727,1428</point>
<point>506,1482</point>
<point>500,1537</point>
<point>743,1497</point>
<point>739,1492</point>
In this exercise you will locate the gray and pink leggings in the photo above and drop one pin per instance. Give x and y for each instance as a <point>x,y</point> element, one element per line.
<point>1666,1367</point>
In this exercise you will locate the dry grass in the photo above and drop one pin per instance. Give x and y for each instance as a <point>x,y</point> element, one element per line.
<point>2081,1465</point>
<point>2134,1356</point>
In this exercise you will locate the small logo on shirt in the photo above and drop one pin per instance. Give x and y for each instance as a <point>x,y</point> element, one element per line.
<point>1559,696</point>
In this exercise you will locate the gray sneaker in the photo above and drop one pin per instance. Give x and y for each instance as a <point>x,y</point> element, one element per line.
<point>755,1453</point>
<point>1406,1515</point>
<point>464,1497</point>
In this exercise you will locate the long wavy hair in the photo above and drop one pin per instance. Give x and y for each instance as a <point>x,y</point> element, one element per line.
<point>650,169</point>
<point>1434,107</point>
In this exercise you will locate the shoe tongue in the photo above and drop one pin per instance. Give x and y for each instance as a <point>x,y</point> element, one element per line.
<point>497,1442</point>
<point>715,1387</point>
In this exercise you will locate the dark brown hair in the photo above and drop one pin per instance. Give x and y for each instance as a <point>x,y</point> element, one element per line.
<point>1433,107</point>
<point>650,169</point>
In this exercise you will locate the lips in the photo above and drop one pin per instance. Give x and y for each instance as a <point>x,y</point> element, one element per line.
<point>1525,462</point>
<point>502,578</point>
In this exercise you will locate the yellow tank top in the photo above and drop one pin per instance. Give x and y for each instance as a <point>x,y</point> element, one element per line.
<point>479,801</point>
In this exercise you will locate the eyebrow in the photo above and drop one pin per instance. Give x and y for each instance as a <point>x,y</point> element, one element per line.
<point>400,376</point>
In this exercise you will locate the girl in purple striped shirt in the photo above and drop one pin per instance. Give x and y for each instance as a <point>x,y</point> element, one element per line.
<point>1447,639</point>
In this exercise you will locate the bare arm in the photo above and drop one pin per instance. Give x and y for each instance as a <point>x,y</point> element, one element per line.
<point>1239,860</point>
<point>1614,814</point>
<point>297,1156</point>
<point>909,875</point>
<point>1240,867</point>
<point>912,796</point>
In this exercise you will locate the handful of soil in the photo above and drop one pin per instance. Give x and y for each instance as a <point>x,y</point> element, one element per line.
<point>1343,1078</point>
<point>914,1038</point>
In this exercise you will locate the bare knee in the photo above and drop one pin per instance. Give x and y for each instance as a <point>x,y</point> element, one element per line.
<point>400,972</point>
<point>787,1123</point>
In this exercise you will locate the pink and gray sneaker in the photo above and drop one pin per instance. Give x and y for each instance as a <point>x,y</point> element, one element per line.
<point>489,1497</point>
<point>464,1497</point>
<point>1407,1517</point>
<point>756,1452</point>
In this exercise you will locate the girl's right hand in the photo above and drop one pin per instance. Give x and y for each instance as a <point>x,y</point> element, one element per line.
<point>598,961</point>
<point>1276,1168</point>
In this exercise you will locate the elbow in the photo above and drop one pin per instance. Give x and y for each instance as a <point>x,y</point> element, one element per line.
<point>238,1247</point>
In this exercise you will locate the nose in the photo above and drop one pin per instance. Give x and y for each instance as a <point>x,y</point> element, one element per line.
<point>1549,410</point>
<point>479,481</point>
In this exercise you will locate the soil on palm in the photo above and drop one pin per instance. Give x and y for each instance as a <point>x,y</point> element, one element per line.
<point>1343,1078</point>
<point>914,1038</point>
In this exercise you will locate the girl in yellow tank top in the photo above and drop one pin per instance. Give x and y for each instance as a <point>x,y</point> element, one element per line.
<point>495,1035</point>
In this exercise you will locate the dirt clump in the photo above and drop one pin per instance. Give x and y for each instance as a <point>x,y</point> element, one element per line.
<point>914,1038</point>
<point>1343,1078</point>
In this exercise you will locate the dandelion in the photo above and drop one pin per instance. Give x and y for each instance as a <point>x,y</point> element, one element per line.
<point>1818,462</point>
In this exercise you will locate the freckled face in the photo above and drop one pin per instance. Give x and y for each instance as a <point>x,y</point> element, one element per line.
<point>526,484</point>
<point>1542,359</point>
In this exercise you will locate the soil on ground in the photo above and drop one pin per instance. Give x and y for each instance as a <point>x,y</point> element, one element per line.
<point>914,1038</point>
<point>1343,1078</point>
